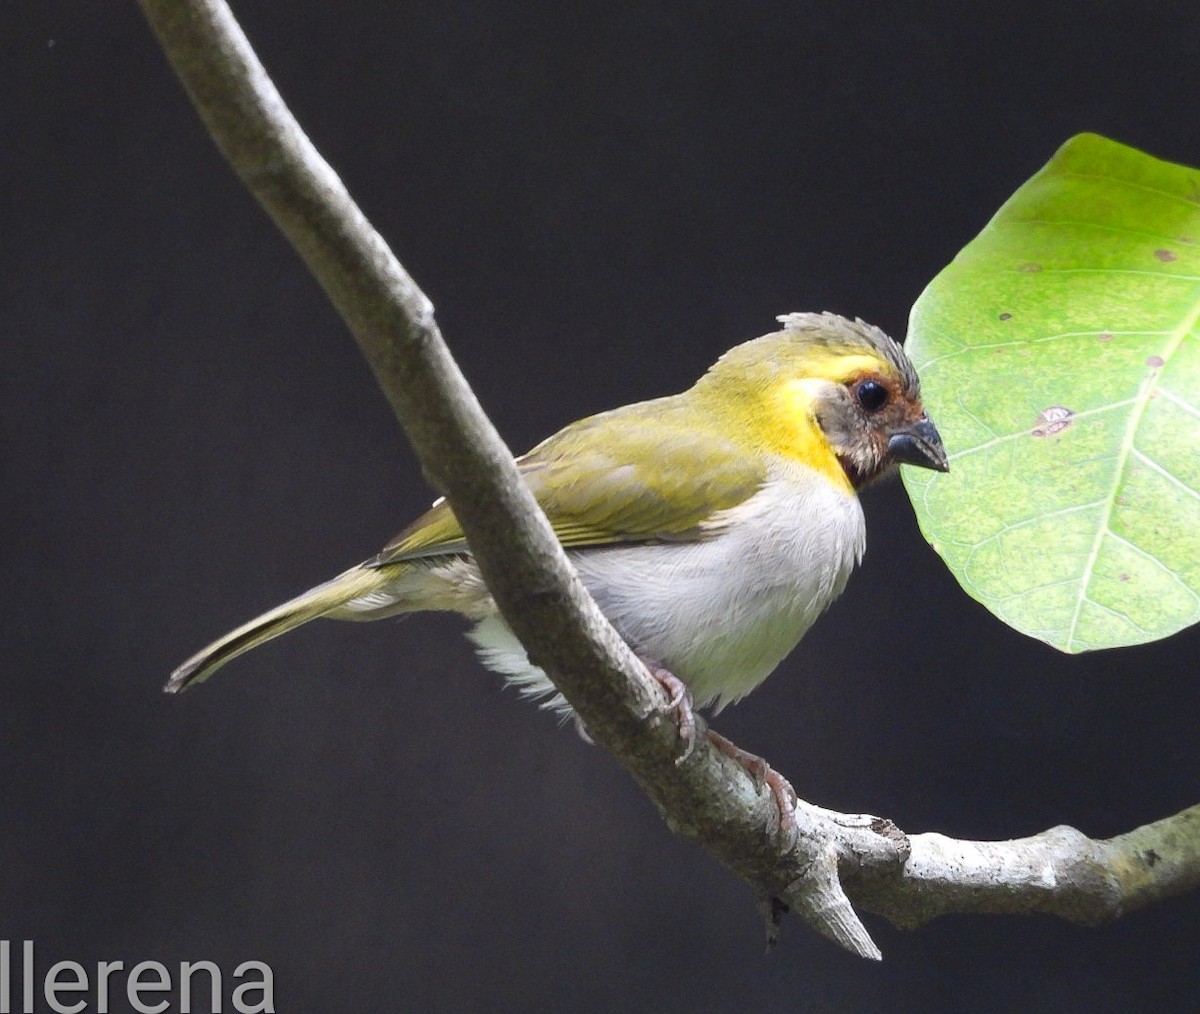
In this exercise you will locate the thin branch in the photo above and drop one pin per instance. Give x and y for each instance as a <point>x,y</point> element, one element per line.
<point>1059,872</point>
<point>707,798</point>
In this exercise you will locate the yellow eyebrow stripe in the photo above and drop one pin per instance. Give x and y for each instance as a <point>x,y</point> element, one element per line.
<point>840,368</point>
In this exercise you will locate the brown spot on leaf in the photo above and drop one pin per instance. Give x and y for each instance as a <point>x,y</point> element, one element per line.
<point>1052,420</point>
<point>1166,256</point>
<point>1006,316</point>
<point>1104,336</point>
<point>1031,268</point>
<point>1152,858</point>
<point>1154,362</point>
<point>1122,577</point>
<point>1122,500</point>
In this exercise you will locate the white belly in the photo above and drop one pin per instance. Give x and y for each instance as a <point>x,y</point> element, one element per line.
<point>720,614</point>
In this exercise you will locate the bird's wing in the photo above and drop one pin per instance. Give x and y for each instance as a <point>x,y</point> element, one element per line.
<point>603,484</point>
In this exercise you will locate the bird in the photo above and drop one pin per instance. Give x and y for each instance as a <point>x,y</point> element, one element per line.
<point>712,527</point>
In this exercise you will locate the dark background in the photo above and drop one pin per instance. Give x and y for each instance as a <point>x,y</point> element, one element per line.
<point>599,198</point>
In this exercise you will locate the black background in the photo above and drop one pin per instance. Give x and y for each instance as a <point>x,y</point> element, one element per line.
<point>599,198</point>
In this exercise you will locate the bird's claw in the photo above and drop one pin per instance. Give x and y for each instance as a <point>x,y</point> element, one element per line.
<point>763,774</point>
<point>679,700</point>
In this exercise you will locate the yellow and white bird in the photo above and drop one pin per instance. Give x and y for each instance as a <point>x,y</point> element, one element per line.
<point>712,527</point>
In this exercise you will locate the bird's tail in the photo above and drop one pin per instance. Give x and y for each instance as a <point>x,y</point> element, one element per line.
<point>324,598</point>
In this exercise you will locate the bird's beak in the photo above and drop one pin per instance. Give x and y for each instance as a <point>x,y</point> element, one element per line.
<point>919,444</point>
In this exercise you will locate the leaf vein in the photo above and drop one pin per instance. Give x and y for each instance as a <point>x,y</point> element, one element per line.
<point>1150,463</point>
<point>1084,414</point>
<point>1160,275</point>
<point>1141,402</point>
<point>1131,184</point>
<point>1120,229</point>
<point>1146,555</point>
<point>1021,342</point>
<point>1175,399</point>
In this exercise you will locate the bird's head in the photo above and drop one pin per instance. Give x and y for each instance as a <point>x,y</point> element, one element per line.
<point>838,395</point>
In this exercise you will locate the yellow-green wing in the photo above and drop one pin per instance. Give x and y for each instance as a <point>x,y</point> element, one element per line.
<point>636,474</point>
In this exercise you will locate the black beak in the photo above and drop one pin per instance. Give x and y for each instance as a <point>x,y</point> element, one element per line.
<point>919,444</point>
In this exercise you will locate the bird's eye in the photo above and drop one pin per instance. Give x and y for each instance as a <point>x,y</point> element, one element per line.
<point>872,395</point>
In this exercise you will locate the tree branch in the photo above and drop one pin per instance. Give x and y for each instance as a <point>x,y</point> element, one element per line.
<point>707,797</point>
<point>1059,872</point>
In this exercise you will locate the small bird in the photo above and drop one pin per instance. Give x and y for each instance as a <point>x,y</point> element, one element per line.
<point>711,527</point>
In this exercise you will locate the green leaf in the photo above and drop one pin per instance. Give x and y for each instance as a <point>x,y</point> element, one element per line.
<point>1060,358</point>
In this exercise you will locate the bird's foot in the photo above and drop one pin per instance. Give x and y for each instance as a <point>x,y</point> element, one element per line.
<point>679,700</point>
<point>763,774</point>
